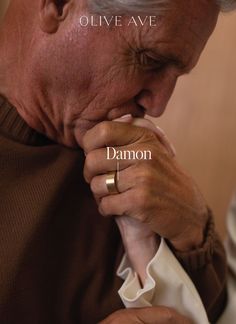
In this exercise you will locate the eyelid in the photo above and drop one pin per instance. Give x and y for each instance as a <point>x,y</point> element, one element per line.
<point>172,60</point>
<point>154,62</point>
<point>149,61</point>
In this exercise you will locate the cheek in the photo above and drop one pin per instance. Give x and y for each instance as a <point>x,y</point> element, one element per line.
<point>90,69</point>
<point>65,69</point>
<point>123,82</point>
<point>123,91</point>
<point>113,85</point>
<point>95,66</point>
<point>74,69</point>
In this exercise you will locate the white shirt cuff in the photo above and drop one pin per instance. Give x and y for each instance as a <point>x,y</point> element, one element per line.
<point>166,284</point>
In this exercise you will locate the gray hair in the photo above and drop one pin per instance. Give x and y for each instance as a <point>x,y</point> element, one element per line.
<point>227,5</point>
<point>144,6</point>
<point>128,6</point>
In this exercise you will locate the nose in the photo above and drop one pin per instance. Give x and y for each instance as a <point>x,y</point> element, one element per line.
<point>156,93</point>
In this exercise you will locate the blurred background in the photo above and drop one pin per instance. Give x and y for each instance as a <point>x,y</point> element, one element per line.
<point>201,118</point>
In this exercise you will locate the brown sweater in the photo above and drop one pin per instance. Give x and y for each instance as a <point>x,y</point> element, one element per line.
<point>58,256</point>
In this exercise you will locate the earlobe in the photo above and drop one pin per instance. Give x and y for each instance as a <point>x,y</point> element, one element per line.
<point>52,13</point>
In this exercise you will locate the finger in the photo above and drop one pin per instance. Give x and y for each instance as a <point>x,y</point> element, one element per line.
<point>125,180</point>
<point>97,163</point>
<point>130,203</point>
<point>113,134</point>
<point>100,162</point>
<point>115,205</point>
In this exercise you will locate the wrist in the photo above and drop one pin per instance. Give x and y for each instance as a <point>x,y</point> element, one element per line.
<point>138,239</point>
<point>145,248</point>
<point>133,231</point>
<point>141,253</point>
<point>140,243</point>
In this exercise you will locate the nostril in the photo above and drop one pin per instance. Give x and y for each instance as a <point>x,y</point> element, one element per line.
<point>139,106</point>
<point>140,102</point>
<point>142,94</point>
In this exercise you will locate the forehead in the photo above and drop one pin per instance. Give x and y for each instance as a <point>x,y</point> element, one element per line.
<point>183,30</point>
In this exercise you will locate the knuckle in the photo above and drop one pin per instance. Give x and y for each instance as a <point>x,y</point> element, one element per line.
<point>145,176</point>
<point>85,143</point>
<point>141,199</point>
<point>90,162</point>
<point>93,185</point>
<point>104,206</point>
<point>104,130</point>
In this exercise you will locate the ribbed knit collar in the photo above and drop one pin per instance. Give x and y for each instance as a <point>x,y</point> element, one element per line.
<point>14,127</point>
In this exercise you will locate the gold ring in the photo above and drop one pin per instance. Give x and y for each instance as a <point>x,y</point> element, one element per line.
<point>111,183</point>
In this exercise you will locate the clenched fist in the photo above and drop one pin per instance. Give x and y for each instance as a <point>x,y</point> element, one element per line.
<point>156,193</point>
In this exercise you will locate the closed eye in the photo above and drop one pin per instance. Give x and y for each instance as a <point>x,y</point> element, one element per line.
<point>150,60</point>
<point>148,63</point>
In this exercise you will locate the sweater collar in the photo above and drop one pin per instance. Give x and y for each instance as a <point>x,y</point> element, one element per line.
<point>14,127</point>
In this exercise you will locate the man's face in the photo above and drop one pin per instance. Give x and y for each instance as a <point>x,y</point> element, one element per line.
<point>101,73</point>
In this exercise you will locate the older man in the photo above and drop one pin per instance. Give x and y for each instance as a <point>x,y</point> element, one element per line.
<point>62,85</point>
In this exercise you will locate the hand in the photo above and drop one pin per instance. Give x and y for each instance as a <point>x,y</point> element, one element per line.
<point>155,192</point>
<point>150,315</point>
<point>140,242</point>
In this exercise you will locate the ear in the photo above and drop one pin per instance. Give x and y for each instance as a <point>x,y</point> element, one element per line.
<point>52,13</point>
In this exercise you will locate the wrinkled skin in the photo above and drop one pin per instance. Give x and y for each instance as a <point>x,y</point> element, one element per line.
<point>66,80</point>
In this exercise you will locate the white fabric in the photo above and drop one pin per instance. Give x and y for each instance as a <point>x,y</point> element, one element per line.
<point>229,315</point>
<point>166,284</point>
